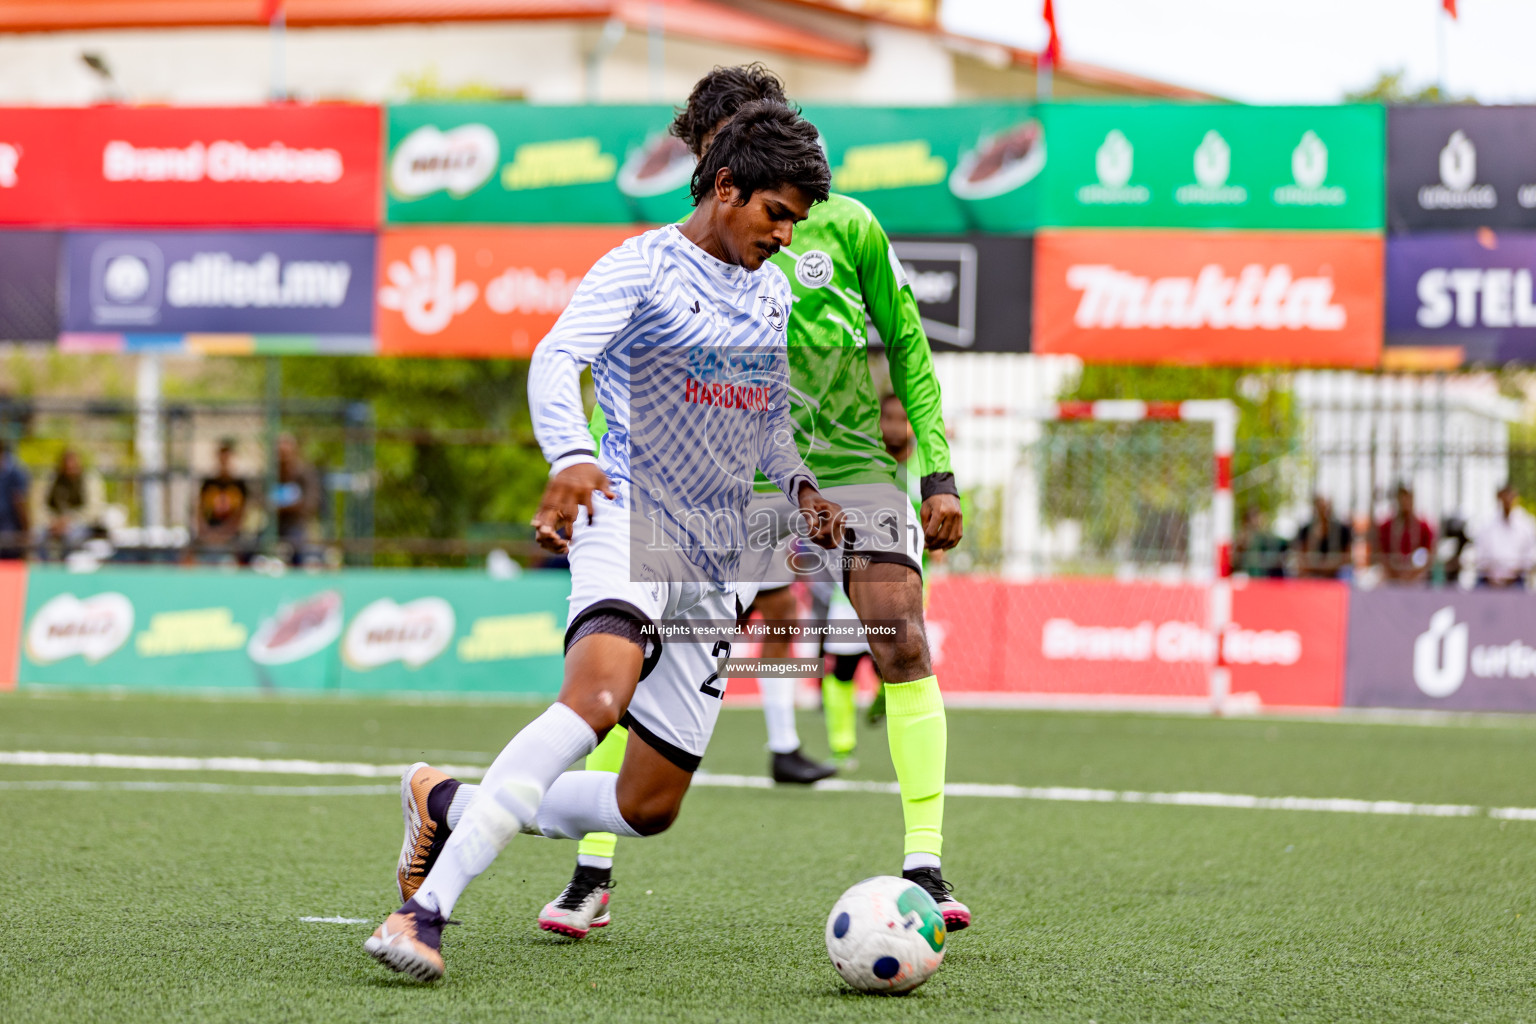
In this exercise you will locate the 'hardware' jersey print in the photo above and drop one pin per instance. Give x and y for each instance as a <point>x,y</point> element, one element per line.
<point>688,362</point>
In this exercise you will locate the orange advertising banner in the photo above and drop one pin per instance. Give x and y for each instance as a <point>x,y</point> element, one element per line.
<point>1205,298</point>
<point>480,292</point>
<point>13,604</point>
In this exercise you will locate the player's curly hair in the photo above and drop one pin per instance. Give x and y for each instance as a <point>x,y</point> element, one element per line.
<point>765,145</point>
<point>718,95</point>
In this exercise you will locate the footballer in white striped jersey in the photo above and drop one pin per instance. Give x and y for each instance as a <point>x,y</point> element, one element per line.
<point>684,330</point>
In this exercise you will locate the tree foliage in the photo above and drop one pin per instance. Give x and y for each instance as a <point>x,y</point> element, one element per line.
<point>431,486</point>
<point>1392,87</point>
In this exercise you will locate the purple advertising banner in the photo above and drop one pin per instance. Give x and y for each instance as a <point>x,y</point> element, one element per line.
<point>1460,167</point>
<point>29,285</point>
<point>213,282</point>
<point>1473,290</point>
<point>1443,649</point>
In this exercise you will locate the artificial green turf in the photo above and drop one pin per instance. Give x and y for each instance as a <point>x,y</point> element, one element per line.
<point>171,906</point>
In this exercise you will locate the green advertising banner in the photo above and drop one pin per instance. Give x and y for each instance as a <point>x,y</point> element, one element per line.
<point>460,632</point>
<point>510,163</point>
<point>1214,166</point>
<point>921,169</point>
<point>933,170</point>
<point>383,631</point>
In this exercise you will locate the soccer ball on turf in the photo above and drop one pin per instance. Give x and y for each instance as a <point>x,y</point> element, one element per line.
<point>885,935</point>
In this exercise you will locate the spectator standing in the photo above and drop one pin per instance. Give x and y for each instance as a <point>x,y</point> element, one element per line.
<point>1324,544</point>
<point>222,502</point>
<point>1257,551</point>
<point>1405,543</point>
<point>74,504</point>
<point>15,516</point>
<point>297,500</point>
<point>1505,544</point>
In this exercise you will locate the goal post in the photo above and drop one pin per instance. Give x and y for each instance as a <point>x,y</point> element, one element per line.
<point>1105,529</point>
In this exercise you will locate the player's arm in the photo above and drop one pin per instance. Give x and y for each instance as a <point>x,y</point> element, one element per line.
<point>894,312</point>
<point>780,461</point>
<point>602,305</point>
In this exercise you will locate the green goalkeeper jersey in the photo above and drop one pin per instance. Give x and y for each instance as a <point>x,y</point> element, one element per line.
<point>846,277</point>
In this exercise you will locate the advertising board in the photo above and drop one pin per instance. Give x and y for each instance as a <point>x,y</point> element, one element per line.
<point>920,169</point>
<point>973,291</point>
<point>1209,298</point>
<point>1471,290</point>
<point>417,631</point>
<point>29,285</point>
<point>1461,166</point>
<point>287,165</point>
<point>166,284</point>
<point>1444,649</point>
<point>1185,165</point>
<point>490,292</point>
<point>1103,640</point>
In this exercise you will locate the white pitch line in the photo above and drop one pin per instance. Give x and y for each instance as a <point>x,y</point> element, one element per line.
<point>1057,794</point>
<point>239,765</point>
<point>220,788</point>
<point>337,920</point>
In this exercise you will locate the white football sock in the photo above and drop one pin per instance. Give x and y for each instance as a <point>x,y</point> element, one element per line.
<point>914,861</point>
<point>582,802</point>
<point>461,798</point>
<point>587,860</point>
<point>779,710</point>
<point>509,796</point>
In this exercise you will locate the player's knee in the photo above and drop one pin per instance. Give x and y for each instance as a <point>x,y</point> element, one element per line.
<point>598,708</point>
<point>906,657</point>
<point>650,816</point>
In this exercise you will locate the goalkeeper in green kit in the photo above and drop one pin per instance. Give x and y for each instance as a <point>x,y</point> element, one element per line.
<point>845,276</point>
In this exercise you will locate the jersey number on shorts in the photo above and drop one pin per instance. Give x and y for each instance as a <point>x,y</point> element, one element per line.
<point>719,652</point>
<point>888,520</point>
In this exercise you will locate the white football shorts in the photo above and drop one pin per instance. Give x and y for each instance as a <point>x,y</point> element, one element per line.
<point>677,701</point>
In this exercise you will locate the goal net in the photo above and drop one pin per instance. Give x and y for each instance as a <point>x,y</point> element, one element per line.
<point>1097,549</point>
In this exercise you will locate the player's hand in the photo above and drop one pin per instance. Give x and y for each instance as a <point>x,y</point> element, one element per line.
<point>571,489</point>
<point>825,518</point>
<point>942,525</point>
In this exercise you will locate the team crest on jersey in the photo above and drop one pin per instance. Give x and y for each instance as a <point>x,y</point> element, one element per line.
<point>813,269</point>
<point>773,311</point>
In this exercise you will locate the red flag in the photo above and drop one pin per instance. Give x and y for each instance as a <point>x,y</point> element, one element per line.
<point>1449,5</point>
<point>1053,45</point>
<point>270,9</point>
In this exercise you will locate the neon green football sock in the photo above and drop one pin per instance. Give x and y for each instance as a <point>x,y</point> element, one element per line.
<point>608,757</point>
<point>919,738</point>
<point>838,704</point>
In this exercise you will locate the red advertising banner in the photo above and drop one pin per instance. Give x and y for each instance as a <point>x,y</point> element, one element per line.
<point>13,604</point>
<point>1210,298</point>
<point>281,165</point>
<point>490,292</point>
<point>1286,643</point>
<point>1137,641</point>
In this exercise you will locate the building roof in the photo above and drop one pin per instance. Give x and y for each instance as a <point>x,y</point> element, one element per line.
<point>711,20</point>
<point>701,19</point>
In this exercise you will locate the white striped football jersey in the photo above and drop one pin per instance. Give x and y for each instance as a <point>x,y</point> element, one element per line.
<point>689,365</point>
